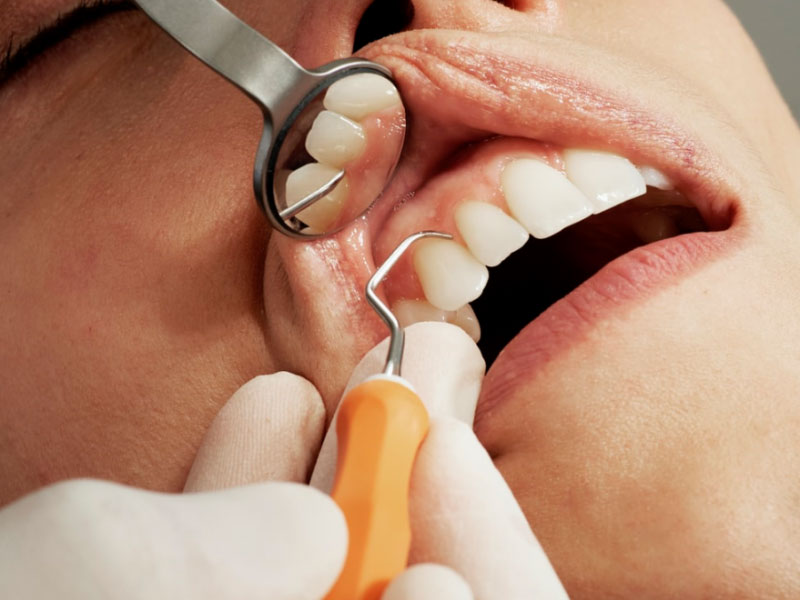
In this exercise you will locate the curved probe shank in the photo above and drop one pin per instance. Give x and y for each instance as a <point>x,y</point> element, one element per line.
<point>380,426</point>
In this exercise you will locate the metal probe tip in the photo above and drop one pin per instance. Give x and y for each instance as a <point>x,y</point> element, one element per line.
<point>394,357</point>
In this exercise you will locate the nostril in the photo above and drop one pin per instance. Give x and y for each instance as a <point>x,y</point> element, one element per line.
<point>382,18</point>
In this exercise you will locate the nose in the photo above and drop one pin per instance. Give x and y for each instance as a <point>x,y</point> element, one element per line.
<point>386,17</point>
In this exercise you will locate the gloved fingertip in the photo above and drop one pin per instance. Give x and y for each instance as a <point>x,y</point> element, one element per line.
<point>428,582</point>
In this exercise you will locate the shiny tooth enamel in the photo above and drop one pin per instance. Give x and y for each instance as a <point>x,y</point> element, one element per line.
<point>466,318</point>
<point>450,276</point>
<point>409,312</point>
<point>334,139</point>
<point>309,178</point>
<point>541,198</point>
<point>357,96</point>
<point>489,233</point>
<point>606,179</point>
<point>655,178</point>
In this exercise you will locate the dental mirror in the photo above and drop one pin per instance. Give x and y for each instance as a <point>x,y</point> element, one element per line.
<point>332,135</point>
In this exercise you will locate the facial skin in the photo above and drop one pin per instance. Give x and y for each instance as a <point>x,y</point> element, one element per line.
<point>655,454</point>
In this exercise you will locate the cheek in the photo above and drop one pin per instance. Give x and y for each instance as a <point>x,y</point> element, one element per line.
<point>131,280</point>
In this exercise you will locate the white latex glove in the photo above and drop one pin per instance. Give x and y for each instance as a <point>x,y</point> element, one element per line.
<point>463,515</point>
<point>91,539</point>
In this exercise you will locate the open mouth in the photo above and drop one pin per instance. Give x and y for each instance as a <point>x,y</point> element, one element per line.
<point>531,223</point>
<point>544,271</point>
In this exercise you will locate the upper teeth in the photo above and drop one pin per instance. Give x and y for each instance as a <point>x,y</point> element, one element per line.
<point>337,139</point>
<point>542,201</point>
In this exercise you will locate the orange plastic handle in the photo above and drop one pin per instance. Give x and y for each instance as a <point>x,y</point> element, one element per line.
<point>380,427</point>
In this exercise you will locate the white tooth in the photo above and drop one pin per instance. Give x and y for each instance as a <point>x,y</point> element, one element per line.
<point>324,212</point>
<point>358,95</point>
<point>654,225</point>
<point>465,318</point>
<point>542,198</point>
<point>489,233</point>
<point>606,179</point>
<point>409,312</point>
<point>655,178</point>
<point>335,140</point>
<point>449,274</point>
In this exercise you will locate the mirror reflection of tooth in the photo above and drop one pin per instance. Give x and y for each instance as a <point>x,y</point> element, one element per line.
<point>541,198</point>
<point>325,212</point>
<point>489,233</point>
<point>334,139</point>
<point>450,276</point>
<point>359,95</point>
<point>606,179</point>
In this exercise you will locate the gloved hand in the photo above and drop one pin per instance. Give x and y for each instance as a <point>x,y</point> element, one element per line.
<point>89,539</point>
<point>278,540</point>
<point>463,514</point>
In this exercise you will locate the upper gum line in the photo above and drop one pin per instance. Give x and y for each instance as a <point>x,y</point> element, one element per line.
<point>434,205</point>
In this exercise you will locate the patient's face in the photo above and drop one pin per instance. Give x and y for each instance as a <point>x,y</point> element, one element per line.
<point>646,423</point>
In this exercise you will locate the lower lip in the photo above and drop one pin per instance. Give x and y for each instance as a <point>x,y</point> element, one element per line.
<point>631,278</point>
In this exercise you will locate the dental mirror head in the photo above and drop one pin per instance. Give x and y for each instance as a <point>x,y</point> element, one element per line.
<point>332,135</point>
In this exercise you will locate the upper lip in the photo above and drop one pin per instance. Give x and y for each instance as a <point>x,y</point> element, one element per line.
<point>509,86</point>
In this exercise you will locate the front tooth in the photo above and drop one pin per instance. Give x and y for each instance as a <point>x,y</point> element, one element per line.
<point>542,198</point>
<point>335,140</point>
<point>655,178</point>
<point>489,233</point>
<point>409,312</point>
<point>324,212</point>
<point>606,179</point>
<point>358,95</point>
<point>465,318</point>
<point>450,276</point>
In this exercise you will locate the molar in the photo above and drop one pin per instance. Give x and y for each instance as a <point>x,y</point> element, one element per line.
<point>324,212</point>
<point>357,96</point>
<point>541,198</point>
<point>489,233</point>
<point>450,276</point>
<point>606,179</point>
<point>334,139</point>
<point>409,312</point>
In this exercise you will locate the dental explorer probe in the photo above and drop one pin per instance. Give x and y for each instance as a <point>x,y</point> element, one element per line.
<point>380,426</point>
<point>287,95</point>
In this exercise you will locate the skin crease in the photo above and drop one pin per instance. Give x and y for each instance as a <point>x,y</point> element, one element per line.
<point>656,457</point>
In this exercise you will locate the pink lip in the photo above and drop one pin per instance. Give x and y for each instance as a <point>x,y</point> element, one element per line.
<point>460,87</point>
<point>625,281</point>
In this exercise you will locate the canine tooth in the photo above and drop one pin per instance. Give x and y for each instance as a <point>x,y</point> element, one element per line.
<point>606,179</point>
<point>324,212</point>
<point>465,318</point>
<point>409,312</point>
<point>654,225</point>
<point>489,233</point>
<point>334,139</point>
<point>542,198</point>
<point>450,276</point>
<point>358,95</point>
<point>655,178</point>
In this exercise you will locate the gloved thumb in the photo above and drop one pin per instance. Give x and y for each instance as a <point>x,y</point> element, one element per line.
<point>442,363</point>
<point>270,429</point>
